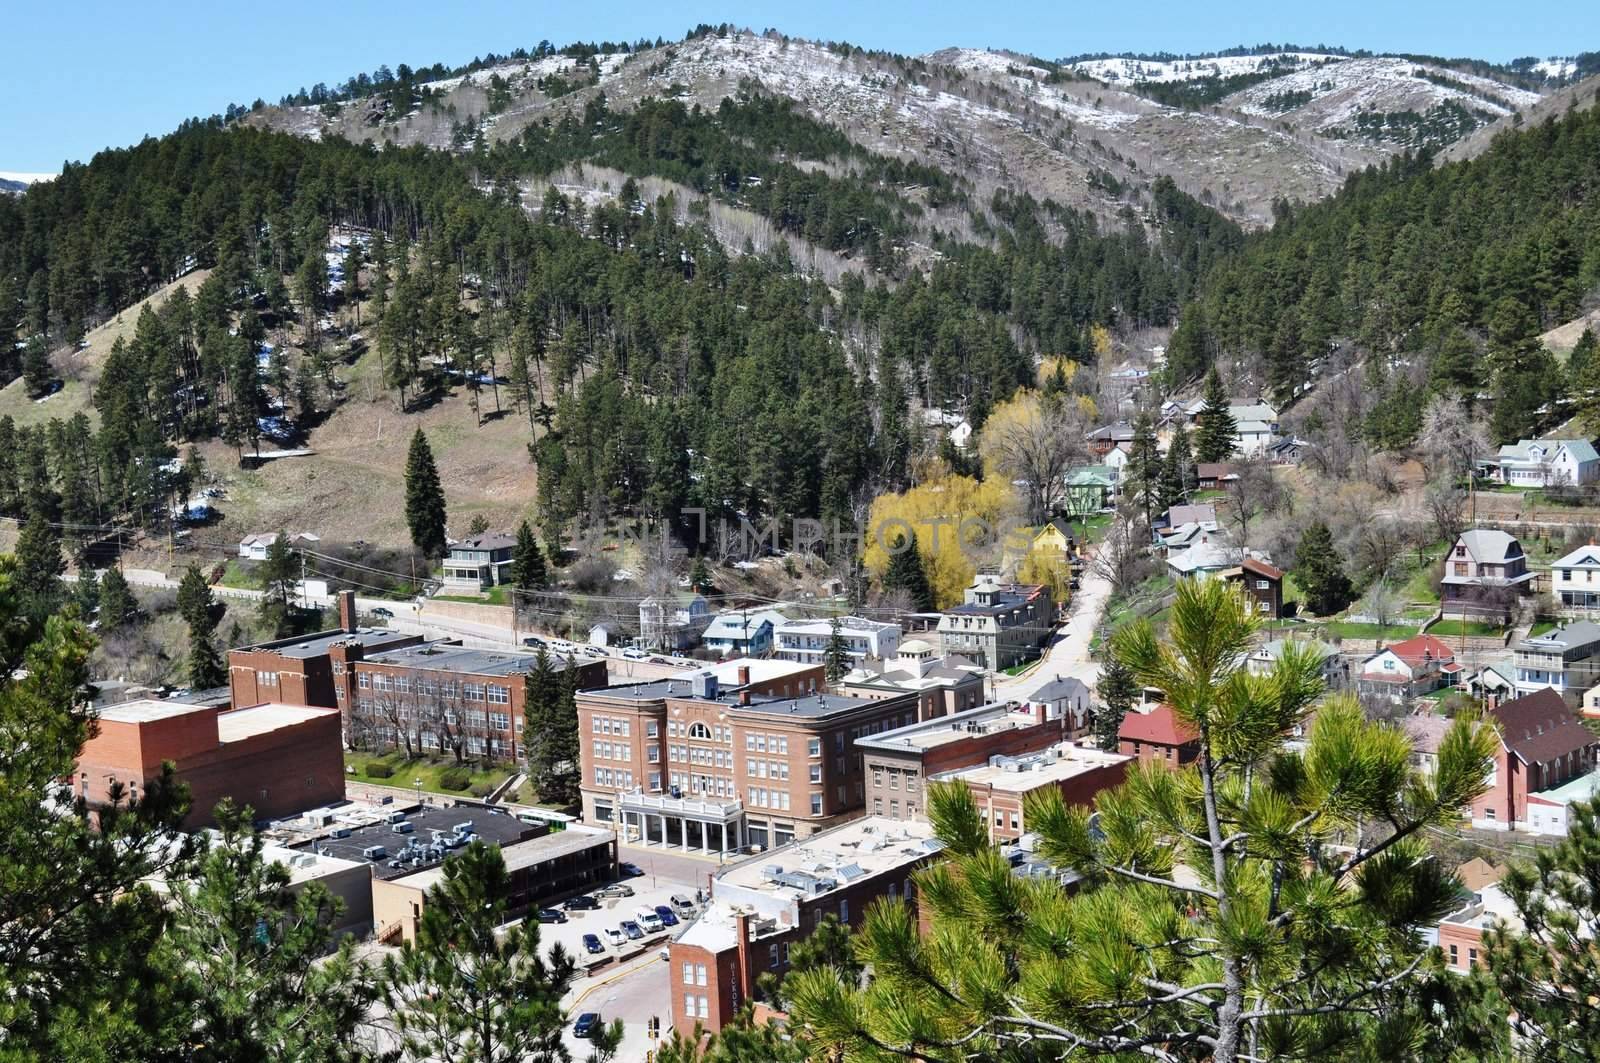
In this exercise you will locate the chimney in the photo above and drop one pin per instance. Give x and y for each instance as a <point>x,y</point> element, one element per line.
<point>744,675</point>
<point>347,611</point>
<point>744,697</point>
<point>743,982</point>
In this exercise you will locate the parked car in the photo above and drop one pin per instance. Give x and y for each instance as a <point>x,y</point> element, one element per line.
<point>586,1024</point>
<point>380,611</point>
<point>659,660</point>
<point>614,936</point>
<point>582,902</point>
<point>591,944</point>
<point>630,870</point>
<point>667,916</point>
<point>635,655</point>
<point>632,929</point>
<point>648,919</point>
<point>552,915</point>
<point>616,889</point>
<point>682,904</point>
<point>533,642</point>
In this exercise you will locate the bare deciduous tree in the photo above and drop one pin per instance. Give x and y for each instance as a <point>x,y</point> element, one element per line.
<point>1122,558</point>
<point>1452,438</point>
<point>1447,509</point>
<point>1253,494</point>
<point>1034,439</point>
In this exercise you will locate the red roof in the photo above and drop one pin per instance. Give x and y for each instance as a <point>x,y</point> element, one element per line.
<point>1422,647</point>
<point>1159,727</point>
<point>1261,568</point>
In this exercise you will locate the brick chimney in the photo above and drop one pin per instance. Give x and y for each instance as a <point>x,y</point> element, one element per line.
<point>744,675</point>
<point>744,697</point>
<point>741,923</point>
<point>347,611</point>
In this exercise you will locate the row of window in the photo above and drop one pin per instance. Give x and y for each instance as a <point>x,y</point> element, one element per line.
<point>613,751</point>
<point>894,774</point>
<point>764,798</point>
<point>715,733</point>
<point>775,769</point>
<point>612,725</point>
<point>894,807</point>
<point>610,777</point>
<point>766,743</point>
<point>494,721</point>
<point>493,693</point>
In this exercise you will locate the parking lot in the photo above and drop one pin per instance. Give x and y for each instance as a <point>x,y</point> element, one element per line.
<point>424,826</point>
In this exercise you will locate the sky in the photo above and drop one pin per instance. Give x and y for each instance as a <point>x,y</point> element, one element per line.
<point>80,75</point>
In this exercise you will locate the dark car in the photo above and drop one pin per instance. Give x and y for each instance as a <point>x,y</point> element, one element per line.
<point>581,902</point>
<point>592,945</point>
<point>586,1024</point>
<point>632,929</point>
<point>387,614</point>
<point>534,642</point>
<point>630,870</point>
<point>667,916</point>
<point>552,915</point>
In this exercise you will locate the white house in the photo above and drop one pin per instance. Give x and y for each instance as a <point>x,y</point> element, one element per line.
<point>1264,658</point>
<point>807,640</point>
<point>743,632</point>
<point>254,547</point>
<point>673,622</point>
<point>1203,560</point>
<point>1255,423</point>
<point>1544,463</point>
<point>1575,578</point>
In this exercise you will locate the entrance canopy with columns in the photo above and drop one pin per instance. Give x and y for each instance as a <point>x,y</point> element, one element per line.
<point>691,823</point>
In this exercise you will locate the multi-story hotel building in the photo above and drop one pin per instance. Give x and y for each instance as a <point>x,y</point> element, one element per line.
<point>702,763</point>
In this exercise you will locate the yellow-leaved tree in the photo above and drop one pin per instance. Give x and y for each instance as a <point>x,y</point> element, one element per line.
<point>958,522</point>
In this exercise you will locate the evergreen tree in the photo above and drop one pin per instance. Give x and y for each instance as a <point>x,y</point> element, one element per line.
<point>1146,470</point>
<point>245,959</point>
<point>835,658</point>
<point>206,667</point>
<point>196,604</point>
<point>527,561</point>
<point>1178,480</point>
<point>118,606</point>
<point>1216,432</point>
<point>39,565</point>
<point>700,576</point>
<point>558,770</point>
<point>542,691</point>
<point>1231,909</point>
<point>425,509</point>
<point>86,595</point>
<point>740,1040</point>
<point>279,574</point>
<point>1320,572</point>
<point>1118,690</point>
<point>905,573</point>
<point>469,987</point>
<point>38,375</point>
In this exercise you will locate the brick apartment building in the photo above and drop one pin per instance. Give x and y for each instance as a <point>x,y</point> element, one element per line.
<point>943,684</point>
<point>1541,746</point>
<point>1001,753</point>
<point>697,763</point>
<point>1158,736</point>
<point>444,694</point>
<point>310,670</point>
<point>760,907</point>
<point>278,759</point>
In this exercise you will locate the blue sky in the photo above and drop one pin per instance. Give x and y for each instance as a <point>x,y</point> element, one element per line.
<point>79,75</point>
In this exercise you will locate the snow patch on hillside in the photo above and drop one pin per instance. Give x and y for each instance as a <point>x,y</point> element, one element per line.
<point>1131,71</point>
<point>1556,68</point>
<point>1339,92</point>
<point>983,61</point>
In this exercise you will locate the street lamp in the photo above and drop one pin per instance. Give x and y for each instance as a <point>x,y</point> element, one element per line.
<point>418,783</point>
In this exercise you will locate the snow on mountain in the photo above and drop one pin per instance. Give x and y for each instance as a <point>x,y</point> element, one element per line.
<point>1330,98</point>
<point>1556,68</point>
<point>980,60</point>
<point>1122,70</point>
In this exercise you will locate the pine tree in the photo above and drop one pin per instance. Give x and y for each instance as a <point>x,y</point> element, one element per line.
<point>1217,432</point>
<point>117,603</point>
<point>700,576</point>
<point>86,595</point>
<point>206,668</point>
<point>469,987</point>
<point>1320,572</point>
<point>541,691</point>
<point>196,604</point>
<point>905,573</point>
<point>425,508</point>
<point>1118,690</point>
<point>39,565</point>
<point>279,574</point>
<point>38,375</point>
<point>1178,478</point>
<point>561,752</point>
<point>835,657</point>
<point>1145,469</point>
<point>527,561</point>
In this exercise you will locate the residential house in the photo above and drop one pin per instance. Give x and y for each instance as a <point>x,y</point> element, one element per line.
<point>1478,873</point>
<point>1262,583</point>
<point>1064,698</point>
<point>1484,571</point>
<point>1196,513</point>
<point>943,684</point>
<point>1566,660</point>
<point>1426,732</point>
<point>1000,624</point>
<point>673,622</point>
<point>1092,488</point>
<point>1541,746</point>
<point>1158,737</point>
<point>1575,578</point>
<point>478,563</point>
<point>1115,436</point>
<point>1544,463</point>
<point>1214,475</point>
<point>1255,424</point>
<point>1206,559</point>
<point>606,634</point>
<point>807,640</point>
<point>1290,450</point>
<point>1182,536</point>
<point>1492,683</point>
<point>1264,658</point>
<point>1409,669</point>
<point>1590,709</point>
<point>742,632</point>
<point>254,547</point>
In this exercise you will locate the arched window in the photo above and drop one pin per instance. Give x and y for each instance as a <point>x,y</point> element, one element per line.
<point>699,730</point>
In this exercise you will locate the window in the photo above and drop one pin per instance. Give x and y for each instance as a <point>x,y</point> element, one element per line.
<point>650,729</point>
<point>594,725</point>
<point>472,691</point>
<point>652,753</point>
<point>1472,957</point>
<point>364,680</point>
<point>270,679</point>
<point>894,780</point>
<point>688,974</point>
<point>699,730</point>
<point>877,806</point>
<point>877,778</point>
<point>499,721</point>
<point>688,1004</point>
<point>816,804</point>
<point>1455,960</point>
<point>844,910</point>
<point>655,781</point>
<point>816,773</point>
<point>814,747</point>
<point>1015,821</point>
<point>894,809</point>
<point>911,782</point>
<point>502,696</point>
<point>705,1012</point>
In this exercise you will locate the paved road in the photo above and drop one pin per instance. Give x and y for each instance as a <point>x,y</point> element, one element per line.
<point>1068,652</point>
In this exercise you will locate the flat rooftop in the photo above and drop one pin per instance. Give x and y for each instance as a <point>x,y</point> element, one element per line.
<point>319,644</point>
<point>762,669</point>
<point>841,856</point>
<point>495,828</point>
<point>238,724</point>
<point>306,866</point>
<point>806,706</point>
<point>149,710</point>
<point>942,730</point>
<point>519,855</point>
<point>444,657</point>
<point>1024,773</point>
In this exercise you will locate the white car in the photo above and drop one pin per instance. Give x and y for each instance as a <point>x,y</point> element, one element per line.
<point>635,655</point>
<point>615,936</point>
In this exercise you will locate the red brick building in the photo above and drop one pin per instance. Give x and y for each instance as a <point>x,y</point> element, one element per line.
<point>760,907</point>
<point>1158,736</point>
<point>278,759</point>
<point>1542,745</point>
<point>443,695</point>
<point>698,763</point>
<point>1002,784</point>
